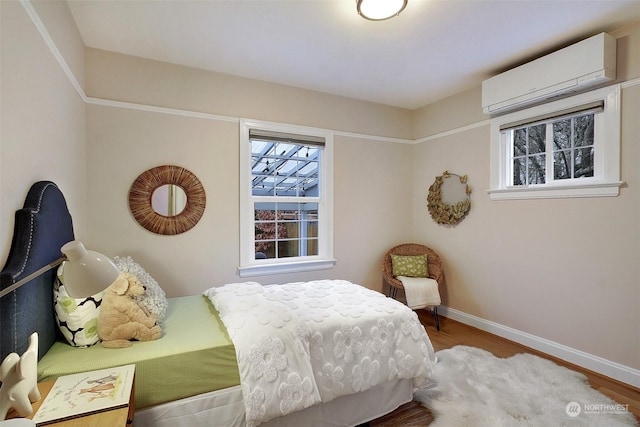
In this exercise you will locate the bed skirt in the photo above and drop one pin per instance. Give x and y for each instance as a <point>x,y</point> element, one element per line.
<point>225,408</point>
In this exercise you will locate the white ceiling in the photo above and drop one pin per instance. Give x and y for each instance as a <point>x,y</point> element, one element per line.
<point>434,49</point>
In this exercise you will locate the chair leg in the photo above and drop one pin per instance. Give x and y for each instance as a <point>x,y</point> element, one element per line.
<point>436,318</point>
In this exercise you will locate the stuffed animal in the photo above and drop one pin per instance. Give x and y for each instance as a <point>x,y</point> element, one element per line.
<point>121,318</point>
<point>19,376</point>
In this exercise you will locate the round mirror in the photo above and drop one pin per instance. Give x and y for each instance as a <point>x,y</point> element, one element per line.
<point>449,199</point>
<point>167,200</point>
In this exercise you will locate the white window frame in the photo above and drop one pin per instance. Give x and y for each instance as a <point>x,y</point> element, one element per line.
<point>249,266</point>
<point>606,179</point>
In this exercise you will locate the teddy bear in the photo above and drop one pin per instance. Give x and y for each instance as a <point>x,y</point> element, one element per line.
<point>121,319</point>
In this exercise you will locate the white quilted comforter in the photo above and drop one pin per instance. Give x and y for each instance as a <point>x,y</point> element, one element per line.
<point>303,343</point>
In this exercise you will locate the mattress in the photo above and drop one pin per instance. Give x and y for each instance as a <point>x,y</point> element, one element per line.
<point>194,356</point>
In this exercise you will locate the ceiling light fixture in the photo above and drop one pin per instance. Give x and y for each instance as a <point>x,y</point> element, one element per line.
<point>379,10</point>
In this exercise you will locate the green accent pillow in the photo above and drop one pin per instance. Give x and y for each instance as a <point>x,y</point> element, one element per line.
<point>410,265</point>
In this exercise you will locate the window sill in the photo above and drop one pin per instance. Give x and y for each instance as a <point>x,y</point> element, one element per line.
<point>603,189</point>
<point>281,268</point>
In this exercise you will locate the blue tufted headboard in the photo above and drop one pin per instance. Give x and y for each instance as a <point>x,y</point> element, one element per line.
<point>41,228</point>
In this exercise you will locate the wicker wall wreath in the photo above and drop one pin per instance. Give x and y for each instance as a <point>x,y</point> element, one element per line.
<point>443,212</point>
<point>142,191</point>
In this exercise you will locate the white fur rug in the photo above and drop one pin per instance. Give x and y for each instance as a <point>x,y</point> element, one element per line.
<point>471,387</point>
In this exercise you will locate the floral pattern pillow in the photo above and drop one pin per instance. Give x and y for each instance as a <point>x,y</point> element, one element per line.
<point>154,300</point>
<point>410,265</point>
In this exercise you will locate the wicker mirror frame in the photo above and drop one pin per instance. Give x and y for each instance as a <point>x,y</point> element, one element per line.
<point>442,212</point>
<point>149,181</point>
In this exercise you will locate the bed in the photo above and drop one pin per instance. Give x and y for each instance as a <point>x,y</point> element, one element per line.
<point>203,369</point>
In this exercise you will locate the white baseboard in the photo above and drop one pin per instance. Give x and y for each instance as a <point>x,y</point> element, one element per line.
<point>588,361</point>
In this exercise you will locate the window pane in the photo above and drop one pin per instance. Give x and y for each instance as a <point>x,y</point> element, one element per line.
<point>583,162</point>
<point>268,229</point>
<point>285,229</point>
<point>536,169</point>
<point>265,224</point>
<point>562,134</point>
<point>312,228</point>
<point>265,250</point>
<point>284,150</point>
<point>308,169</point>
<point>519,171</point>
<point>284,169</point>
<point>308,152</point>
<point>537,140</point>
<point>583,130</point>
<point>562,164</point>
<point>573,147</point>
<point>584,153</point>
<point>529,146</point>
<point>288,248</point>
<point>520,142</point>
<point>312,247</point>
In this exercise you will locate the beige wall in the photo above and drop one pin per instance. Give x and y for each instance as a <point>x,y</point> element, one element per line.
<point>565,270</point>
<point>125,78</point>
<point>42,117</point>
<point>123,143</point>
<point>437,118</point>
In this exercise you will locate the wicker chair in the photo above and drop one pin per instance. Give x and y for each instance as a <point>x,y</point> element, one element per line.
<point>434,267</point>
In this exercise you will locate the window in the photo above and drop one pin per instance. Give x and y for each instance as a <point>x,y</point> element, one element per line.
<point>566,148</point>
<point>286,198</point>
<point>568,140</point>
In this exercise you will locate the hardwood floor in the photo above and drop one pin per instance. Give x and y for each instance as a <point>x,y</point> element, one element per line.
<point>453,333</point>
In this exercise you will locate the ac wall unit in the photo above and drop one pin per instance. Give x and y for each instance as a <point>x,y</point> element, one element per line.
<point>575,68</point>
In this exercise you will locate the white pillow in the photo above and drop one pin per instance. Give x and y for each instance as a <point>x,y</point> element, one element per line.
<point>77,318</point>
<point>154,299</point>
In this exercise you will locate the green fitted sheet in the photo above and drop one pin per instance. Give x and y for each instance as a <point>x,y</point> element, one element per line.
<point>193,356</point>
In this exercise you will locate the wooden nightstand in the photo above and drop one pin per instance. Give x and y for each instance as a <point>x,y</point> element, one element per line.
<point>120,417</point>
